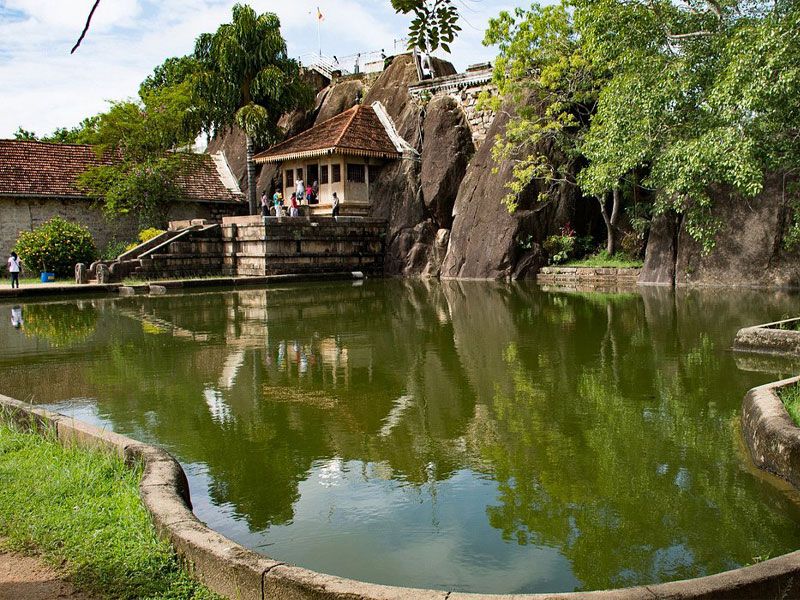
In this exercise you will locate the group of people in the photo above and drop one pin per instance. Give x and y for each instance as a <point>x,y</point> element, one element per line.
<point>309,193</point>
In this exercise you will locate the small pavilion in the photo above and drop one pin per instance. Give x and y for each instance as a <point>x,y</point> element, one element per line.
<point>343,154</point>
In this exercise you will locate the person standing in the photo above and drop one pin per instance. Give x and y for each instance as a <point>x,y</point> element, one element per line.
<point>335,204</point>
<point>14,267</point>
<point>294,211</point>
<point>264,204</point>
<point>300,189</point>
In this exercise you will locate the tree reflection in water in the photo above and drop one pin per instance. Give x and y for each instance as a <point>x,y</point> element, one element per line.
<point>531,441</point>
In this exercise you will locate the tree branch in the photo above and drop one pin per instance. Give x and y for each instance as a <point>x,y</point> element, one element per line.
<point>85,27</point>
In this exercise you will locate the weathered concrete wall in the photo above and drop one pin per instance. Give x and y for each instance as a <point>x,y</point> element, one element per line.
<point>771,436</point>
<point>588,275</point>
<point>779,337</point>
<point>300,246</point>
<point>24,214</point>
<point>479,120</point>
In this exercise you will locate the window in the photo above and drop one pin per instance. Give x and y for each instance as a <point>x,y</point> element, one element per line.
<point>289,178</point>
<point>356,173</point>
<point>336,173</point>
<point>323,174</point>
<point>299,173</point>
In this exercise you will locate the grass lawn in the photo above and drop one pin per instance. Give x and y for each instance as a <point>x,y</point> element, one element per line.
<point>80,511</point>
<point>790,396</point>
<point>603,260</point>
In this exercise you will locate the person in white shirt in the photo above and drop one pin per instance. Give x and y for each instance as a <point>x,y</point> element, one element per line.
<point>300,188</point>
<point>14,267</point>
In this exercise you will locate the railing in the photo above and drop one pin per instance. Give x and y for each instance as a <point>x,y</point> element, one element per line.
<point>361,62</point>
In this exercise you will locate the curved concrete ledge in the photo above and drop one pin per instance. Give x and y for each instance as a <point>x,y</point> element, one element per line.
<point>238,573</point>
<point>769,338</point>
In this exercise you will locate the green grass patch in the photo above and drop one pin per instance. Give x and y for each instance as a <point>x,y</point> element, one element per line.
<point>790,396</point>
<point>603,260</point>
<point>80,510</point>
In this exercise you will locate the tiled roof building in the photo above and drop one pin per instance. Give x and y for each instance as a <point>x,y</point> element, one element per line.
<point>355,132</point>
<point>38,181</point>
<point>38,169</point>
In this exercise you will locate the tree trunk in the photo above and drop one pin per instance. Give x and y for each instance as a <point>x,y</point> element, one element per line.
<point>251,177</point>
<point>611,220</point>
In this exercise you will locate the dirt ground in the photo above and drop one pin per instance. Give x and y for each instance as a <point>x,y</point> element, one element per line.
<point>28,578</point>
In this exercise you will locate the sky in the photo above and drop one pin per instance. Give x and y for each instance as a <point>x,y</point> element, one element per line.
<point>43,87</point>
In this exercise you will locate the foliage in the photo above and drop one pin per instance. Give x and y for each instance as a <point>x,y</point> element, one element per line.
<point>435,23</point>
<point>561,247</point>
<point>696,94</point>
<point>60,324</point>
<point>602,259</point>
<point>81,511</point>
<point>75,135</point>
<point>56,246</point>
<point>245,76</point>
<point>144,236</point>
<point>113,249</point>
<point>139,187</point>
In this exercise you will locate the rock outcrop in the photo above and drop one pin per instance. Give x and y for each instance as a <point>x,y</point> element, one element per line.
<point>749,249</point>
<point>338,98</point>
<point>446,152</point>
<point>488,242</point>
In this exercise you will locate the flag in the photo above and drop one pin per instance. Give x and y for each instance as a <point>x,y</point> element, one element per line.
<point>320,16</point>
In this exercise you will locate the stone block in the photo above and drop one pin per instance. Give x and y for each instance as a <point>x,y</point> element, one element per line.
<point>224,566</point>
<point>294,583</point>
<point>81,274</point>
<point>103,273</point>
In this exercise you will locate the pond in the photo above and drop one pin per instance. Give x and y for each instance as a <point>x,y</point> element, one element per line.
<point>459,435</point>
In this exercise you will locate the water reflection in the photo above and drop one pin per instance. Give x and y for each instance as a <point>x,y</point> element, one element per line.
<point>487,437</point>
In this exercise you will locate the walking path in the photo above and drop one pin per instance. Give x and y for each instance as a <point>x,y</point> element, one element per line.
<point>28,578</point>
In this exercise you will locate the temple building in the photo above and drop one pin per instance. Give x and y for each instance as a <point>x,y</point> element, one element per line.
<point>342,154</point>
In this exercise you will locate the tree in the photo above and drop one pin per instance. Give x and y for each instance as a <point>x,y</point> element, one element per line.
<point>147,139</point>
<point>246,78</point>
<point>435,23</point>
<point>690,94</point>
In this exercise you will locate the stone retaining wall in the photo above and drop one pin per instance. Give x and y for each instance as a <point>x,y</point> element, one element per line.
<point>238,573</point>
<point>570,276</point>
<point>770,338</point>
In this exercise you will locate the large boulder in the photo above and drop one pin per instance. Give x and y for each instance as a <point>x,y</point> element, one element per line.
<point>488,242</point>
<point>391,90</point>
<point>339,97</point>
<point>447,148</point>
<point>749,249</point>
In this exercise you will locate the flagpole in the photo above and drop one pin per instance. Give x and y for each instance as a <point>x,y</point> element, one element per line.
<point>319,38</point>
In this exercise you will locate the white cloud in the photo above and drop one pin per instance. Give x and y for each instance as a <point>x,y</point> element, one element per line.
<point>44,87</point>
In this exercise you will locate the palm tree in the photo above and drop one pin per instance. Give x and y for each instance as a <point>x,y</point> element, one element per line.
<point>246,78</point>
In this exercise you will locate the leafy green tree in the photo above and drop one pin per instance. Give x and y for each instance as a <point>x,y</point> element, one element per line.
<point>435,23</point>
<point>25,135</point>
<point>147,139</point>
<point>246,78</point>
<point>691,94</point>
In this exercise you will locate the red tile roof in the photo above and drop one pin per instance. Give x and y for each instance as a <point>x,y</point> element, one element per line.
<point>38,169</point>
<point>357,131</point>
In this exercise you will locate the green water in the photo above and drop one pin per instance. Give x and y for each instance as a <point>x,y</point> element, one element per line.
<point>471,436</point>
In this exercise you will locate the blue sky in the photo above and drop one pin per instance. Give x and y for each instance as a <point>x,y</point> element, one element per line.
<point>43,87</point>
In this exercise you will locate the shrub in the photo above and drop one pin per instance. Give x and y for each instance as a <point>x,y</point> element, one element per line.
<point>145,235</point>
<point>113,249</point>
<point>56,246</point>
<point>561,247</point>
